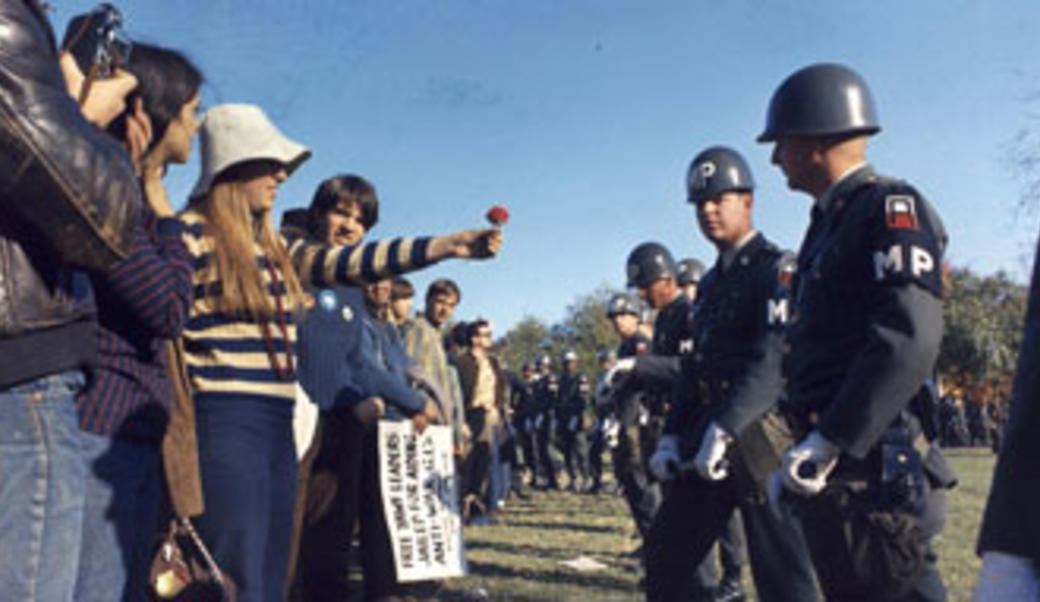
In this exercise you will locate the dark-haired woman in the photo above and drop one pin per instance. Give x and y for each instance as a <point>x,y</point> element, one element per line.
<point>143,302</point>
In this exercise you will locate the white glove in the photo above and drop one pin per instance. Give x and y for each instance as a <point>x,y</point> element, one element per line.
<point>538,421</point>
<point>611,431</point>
<point>572,424</point>
<point>528,425</point>
<point>710,460</point>
<point>619,370</point>
<point>665,461</point>
<point>808,464</point>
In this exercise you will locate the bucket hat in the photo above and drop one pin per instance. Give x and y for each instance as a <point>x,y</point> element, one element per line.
<point>236,133</point>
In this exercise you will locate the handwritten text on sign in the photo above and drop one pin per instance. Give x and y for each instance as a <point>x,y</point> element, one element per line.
<point>417,475</point>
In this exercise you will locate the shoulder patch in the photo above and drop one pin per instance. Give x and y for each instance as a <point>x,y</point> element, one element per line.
<point>785,269</point>
<point>901,211</point>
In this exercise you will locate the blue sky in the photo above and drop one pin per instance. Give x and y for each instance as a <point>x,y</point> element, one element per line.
<point>581,116</point>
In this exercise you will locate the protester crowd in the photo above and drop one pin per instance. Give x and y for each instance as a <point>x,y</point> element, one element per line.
<point>202,380</point>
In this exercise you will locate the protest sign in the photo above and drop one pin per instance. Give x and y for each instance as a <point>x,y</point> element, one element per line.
<point>420,501</point>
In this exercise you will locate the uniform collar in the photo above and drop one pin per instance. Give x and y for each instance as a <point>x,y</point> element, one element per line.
<point>728,256</point>
<point>833,196</point>
<point>674,304</point>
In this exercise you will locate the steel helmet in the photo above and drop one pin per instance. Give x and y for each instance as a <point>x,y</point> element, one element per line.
<point>717,170</point>
<point>821,100</point>
<point>690,271</point>
<point>622,304</point>
<point>647,263</point>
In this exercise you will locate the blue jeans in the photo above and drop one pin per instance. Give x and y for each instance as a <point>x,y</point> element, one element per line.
<point>41,488</point>
<point>123,486</point>
<point>248,462</point>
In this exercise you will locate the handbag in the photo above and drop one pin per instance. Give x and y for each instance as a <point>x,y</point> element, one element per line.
<point>184,570</point>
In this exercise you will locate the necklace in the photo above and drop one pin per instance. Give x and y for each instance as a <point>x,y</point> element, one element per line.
<point>288,372</point>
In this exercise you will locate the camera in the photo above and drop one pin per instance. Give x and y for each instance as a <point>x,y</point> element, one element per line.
<point>97,41</point>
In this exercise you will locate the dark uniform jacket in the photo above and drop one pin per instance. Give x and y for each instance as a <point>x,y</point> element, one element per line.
<point>546,394</point>
<point>628,400</point>
<point>733,375</point>
<point>1011,523</point>
<point>867,318</point>
<point>656,371</point>
<point>573,399</point>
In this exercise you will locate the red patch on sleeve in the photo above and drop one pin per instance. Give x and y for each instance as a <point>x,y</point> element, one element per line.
<point>901,212</point>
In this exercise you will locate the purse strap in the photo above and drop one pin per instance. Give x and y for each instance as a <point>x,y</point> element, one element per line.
<point>184,523</point>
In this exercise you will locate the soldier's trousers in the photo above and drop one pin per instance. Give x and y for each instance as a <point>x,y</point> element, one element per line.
<point>732,549</point>
<point>649,435</point>
<point>597,445</point>
<point>642,494</point>
<point>693,516</point>
<point>838,545</point>
<point>545,461</point>
<point>575,452</point>
<point>527,451</point>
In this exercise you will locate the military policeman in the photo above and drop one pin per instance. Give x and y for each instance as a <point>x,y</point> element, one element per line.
<point>523,400</point>
<point>604,432</point>
<point>642,494</point>
<point>723,418</point>
<point>689,276</point>
<point>864,335</point>
<point>652,270</point>
<point>546,394</point>
<point>570,417</point>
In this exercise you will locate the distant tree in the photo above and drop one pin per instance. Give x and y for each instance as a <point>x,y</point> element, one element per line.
<point>585,329</point>
<point>1023,154</point>
<point>590,330</point>
<point>523,342</point>
<point>983,318</point>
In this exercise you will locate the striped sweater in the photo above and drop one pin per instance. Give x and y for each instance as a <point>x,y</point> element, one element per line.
<point>227,355</point>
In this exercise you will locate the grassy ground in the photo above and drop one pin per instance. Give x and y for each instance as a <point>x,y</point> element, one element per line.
<point>519,559</point>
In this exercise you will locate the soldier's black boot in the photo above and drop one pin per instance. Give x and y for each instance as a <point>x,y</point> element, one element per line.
<point>730,591</point>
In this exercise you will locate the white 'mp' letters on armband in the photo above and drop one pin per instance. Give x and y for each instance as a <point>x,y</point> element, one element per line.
<point>893,262</point>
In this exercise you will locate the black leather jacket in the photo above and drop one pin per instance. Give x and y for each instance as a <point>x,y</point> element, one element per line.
<point>68,198</point>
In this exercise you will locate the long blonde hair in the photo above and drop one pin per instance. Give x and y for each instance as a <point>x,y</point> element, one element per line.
<point>233,230</point>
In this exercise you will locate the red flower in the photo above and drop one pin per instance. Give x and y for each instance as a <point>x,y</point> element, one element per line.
<point>498,215</point>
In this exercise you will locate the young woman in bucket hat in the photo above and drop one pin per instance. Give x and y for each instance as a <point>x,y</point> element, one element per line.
<point>241,334</point>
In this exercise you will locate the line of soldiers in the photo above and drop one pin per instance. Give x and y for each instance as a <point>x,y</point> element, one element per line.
<point>550,411</point>
<point>795,388</point>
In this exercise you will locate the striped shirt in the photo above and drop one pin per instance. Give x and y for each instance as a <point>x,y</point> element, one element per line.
<point>227,355</point>
<point>141,303</point>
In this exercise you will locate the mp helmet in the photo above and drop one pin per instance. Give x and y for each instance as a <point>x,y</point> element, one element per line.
<point>621,304</point>
<point>569,356</point>
<point>647,263</point>
<point>690,271</point>
<point>717,170</point>
<point>824,99</point>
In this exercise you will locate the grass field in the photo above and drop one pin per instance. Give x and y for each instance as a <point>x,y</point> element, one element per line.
<point>520,558</point>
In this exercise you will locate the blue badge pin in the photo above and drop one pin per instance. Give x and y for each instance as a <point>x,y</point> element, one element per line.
<point>327,300</point>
